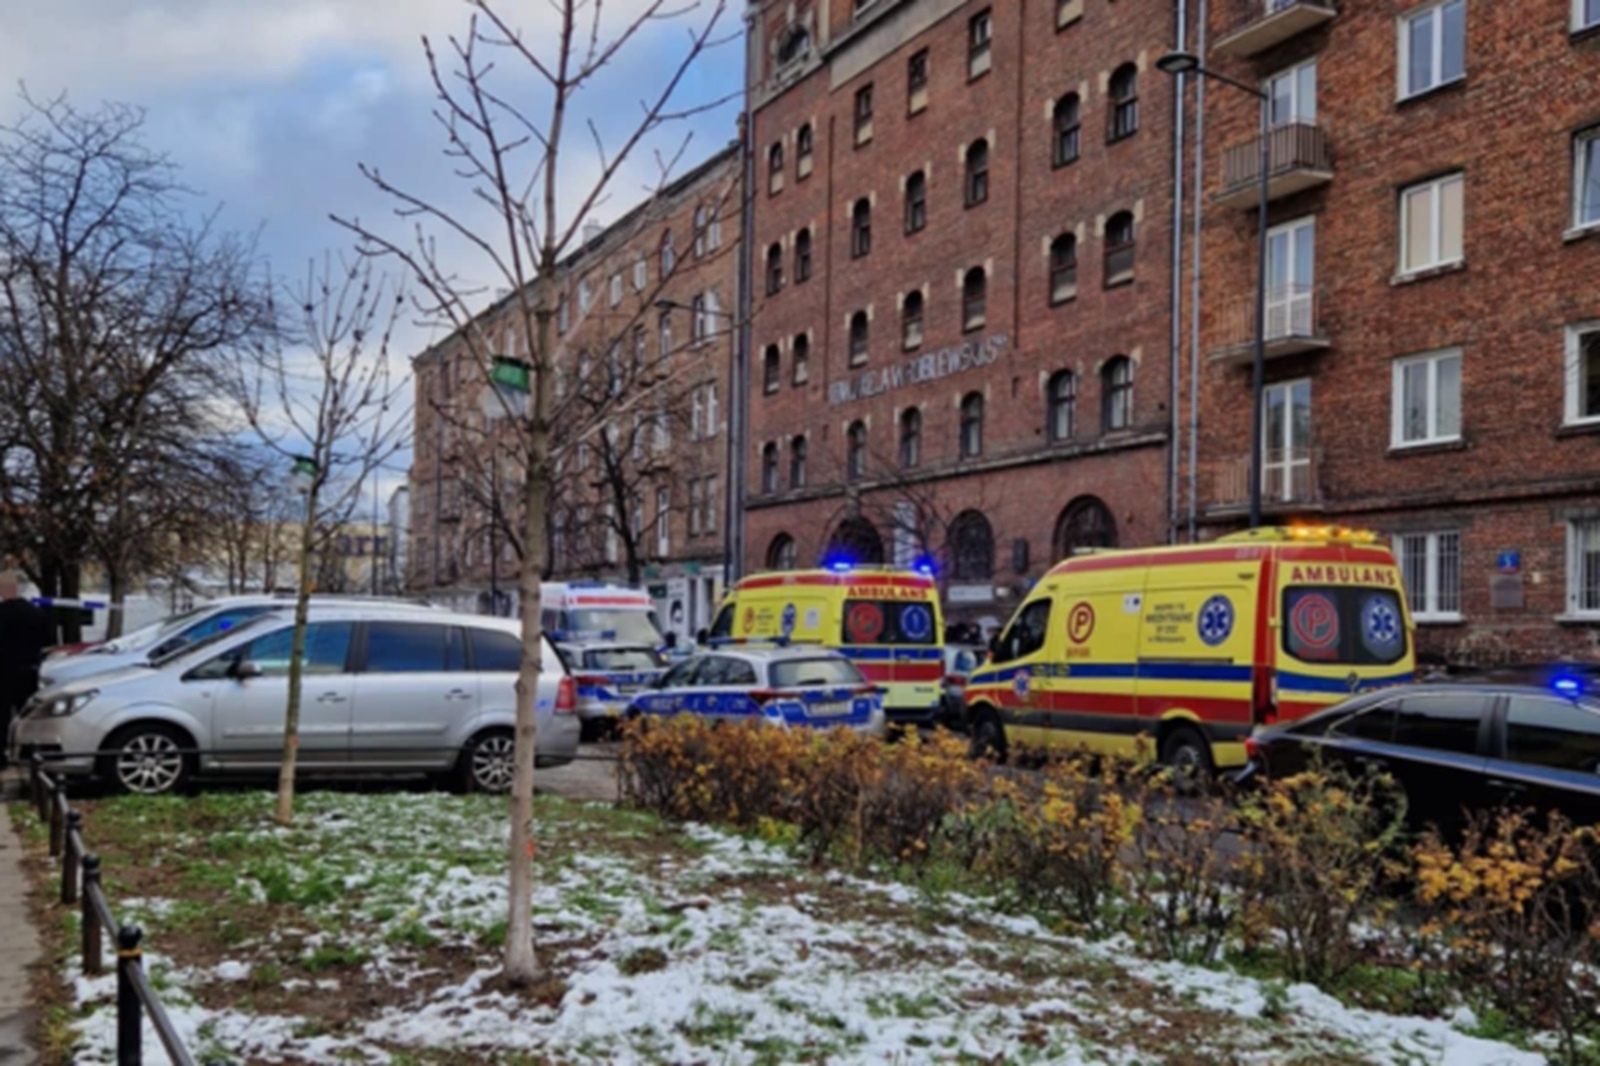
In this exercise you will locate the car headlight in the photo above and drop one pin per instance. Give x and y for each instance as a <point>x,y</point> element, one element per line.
<point>62,706</point>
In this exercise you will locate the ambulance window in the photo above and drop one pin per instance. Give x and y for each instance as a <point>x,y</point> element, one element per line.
<point>1026,633</point>
<point>722,627</point>
<point>1346,625</point>
<point>887,622</point>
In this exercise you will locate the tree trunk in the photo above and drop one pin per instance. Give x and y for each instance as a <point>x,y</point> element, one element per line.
<point>297,650</point>
<point>117,586</point>
<point>71,589</point>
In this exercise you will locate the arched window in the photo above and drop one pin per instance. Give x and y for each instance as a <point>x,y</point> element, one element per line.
<point>774,268</point>
<point>771,369</point>
<point>804,146</point>
<point>858,338</point>
<point>974,299</point>
<point>781,553</point>
<point>972,425</point>
<point>1065,128</point>
<point>1119,248</point>
<point>971,547</point>
<point>1063,268</point>
<point>1116,388</point>
<point>797,462</point>
<point>910,437</point>
<point>667,256</point>
<point>1124,120</point>
<point>977,173</point>
<point>802,359</point>
<point>861,228</point>
<point>855,460</point>
<point>911,320</point>
<point>699,244</point>
<point>1061,405</point>
<point>802,256</point>
<point>775,168</point>
<point>1084,523</point>
<point>664,332</point>
<point>697,318</point>
<point>916,201</point>
<point>793,44</point>
<point>769,468</point>
<point>857,540</point>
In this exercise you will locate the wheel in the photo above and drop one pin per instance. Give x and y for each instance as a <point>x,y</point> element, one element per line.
<point>489,764</point>
<point>988,736</point>
<point>1185,752</point>
<point>147,759</point>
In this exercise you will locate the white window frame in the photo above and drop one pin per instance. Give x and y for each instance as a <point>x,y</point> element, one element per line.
<point>616,288</point>
<point>1397,399</point>
<point>641,273</point>
<point>1295,454</point>
<point>1580,141</point>
<point>1291,306</point>
<point>1435,259</point>
<point>1577,530</point>
<point>1435,11</point>
<point>1425,602</point>
<point>1573,385</point>
<point>663,524</point>
<point>1578,23</point>
<point>1298,110</point>
<point>585,296</point>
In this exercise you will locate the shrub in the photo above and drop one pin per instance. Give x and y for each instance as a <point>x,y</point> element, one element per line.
<point>1184,902</point>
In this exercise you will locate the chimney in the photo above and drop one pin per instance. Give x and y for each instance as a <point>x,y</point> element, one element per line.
<point>592,231</point>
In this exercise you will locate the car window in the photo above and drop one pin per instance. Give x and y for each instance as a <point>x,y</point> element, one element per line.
<point>412,647</point>
<point>494,651</point>
<point>205,629</point>
<point>327,648</point>
<point>1544,731</point>
<point>738,672</point>
<point>1374,723</point>
<point>1440,722</point>
<point>798,673</point>
<point>714,670</point>
<point>682,674</point>
<point>723,625</point>
<point>1026,633</point>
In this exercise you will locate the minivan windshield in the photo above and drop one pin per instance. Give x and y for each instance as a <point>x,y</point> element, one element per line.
<point>611,624</point>
<point>1345,625</point>
<point>209,639</point>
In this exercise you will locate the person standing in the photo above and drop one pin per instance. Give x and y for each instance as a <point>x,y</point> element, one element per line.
<point>25,632</point>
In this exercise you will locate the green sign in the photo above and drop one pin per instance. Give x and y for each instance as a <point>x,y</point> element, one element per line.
<point>510,373</point>
<point>304,466</point>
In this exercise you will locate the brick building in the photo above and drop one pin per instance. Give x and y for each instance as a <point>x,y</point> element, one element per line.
<point>644,344</point>
<point>962,247</point>
<point>1434,305</point>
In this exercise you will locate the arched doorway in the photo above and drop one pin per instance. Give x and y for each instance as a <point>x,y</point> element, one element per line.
<point>855,540</point>
<point>970,547</point>
<point>1086,522</point>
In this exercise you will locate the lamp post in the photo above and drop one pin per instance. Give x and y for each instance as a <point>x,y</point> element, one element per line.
<point>1179,63</point>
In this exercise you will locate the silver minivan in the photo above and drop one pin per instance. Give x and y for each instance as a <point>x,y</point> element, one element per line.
<point>382,691</point>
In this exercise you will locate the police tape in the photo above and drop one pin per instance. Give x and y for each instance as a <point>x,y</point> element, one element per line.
<point>92,605</point>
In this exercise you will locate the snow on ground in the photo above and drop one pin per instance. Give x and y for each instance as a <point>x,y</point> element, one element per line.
<point>696,945</point>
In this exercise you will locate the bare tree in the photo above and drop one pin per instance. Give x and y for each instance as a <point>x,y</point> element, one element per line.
<point>324,400</point>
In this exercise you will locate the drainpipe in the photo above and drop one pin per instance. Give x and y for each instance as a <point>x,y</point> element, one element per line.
<point>1176,357</point>
<point>1194,278</point>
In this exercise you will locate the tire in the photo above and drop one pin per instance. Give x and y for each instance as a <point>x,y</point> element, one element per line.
<point>488,764</point>
<point>147,760</point>
<point>988,736</point>
<point>1185,752</point>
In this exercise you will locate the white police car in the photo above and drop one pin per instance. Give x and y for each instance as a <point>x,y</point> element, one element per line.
<point>609,674</point>
<point>801,686</point>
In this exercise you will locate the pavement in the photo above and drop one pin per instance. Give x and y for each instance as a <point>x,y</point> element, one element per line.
<point>19,940</point>
<point>591,776</point>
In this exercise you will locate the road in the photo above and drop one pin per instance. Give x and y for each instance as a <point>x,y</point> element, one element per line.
<point>592,776</point>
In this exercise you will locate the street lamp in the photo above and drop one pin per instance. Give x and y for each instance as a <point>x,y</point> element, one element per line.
<point>1178,63</point>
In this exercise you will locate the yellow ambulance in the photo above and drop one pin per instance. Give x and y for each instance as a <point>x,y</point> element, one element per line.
<point>1192,647</point>
<point>885,620</point>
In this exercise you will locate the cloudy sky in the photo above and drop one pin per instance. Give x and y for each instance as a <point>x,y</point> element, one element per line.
<point>267,106</point>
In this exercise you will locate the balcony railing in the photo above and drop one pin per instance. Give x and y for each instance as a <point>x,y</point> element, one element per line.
<point>1293,326</point>
<point>1289,479</point>
<point>1299,160</point>
<point>1272,22</point>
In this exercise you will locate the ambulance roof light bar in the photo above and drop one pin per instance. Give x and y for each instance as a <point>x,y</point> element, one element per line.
<point>1328,534</point>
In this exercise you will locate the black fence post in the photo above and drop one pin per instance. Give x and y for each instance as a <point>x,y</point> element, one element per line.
<point>130,1021</point>
<point>36,774</point>
<point>69,857</point>
<point>58,820</point>
<point>92,964</point>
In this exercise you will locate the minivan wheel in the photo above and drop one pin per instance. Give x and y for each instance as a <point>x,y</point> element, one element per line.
<point>146,760</point>
<point>988,737</point>
<point>1186,753</point>
<point>489,764</point>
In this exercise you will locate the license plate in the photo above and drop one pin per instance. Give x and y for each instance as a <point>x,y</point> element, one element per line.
<point>829,708</point>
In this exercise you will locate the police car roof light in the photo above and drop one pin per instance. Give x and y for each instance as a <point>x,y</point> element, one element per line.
<point>1568,686</point>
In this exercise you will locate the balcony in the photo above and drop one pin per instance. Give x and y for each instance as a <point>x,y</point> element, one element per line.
<point>1272,22</point>
<point>1299,160</point>
<point>1289,481</point>
<point>1293,326</point>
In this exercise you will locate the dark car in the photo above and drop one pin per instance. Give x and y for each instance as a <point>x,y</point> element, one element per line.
<point>1455,748</point>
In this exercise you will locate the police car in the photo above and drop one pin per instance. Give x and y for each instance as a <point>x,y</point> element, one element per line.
<point>804,686</point>
<point>609,674</point>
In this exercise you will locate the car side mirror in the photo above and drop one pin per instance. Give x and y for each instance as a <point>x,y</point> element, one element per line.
<point>244,668</point>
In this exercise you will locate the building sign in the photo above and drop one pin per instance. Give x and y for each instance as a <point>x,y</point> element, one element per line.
<point>1508,562</point>
<point>918,370</point>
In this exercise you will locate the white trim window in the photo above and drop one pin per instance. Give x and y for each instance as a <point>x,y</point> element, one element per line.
<point>1292,95</point>
<point>1582,374</point>
<point>1427,398</point>
<point>1430,564</point>
<point>1433,47</point>
<point>1286,440</point>
<point>585,296</point>
<point>663,526</point>
<point>616,289</point>
<point>1432,217</point>
<point>641,273</point>
<point>1586,177</point>
<point>1583,568</point>
<point>1585,15</point>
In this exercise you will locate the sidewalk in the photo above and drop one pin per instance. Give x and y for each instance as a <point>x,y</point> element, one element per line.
<point>19,941</point>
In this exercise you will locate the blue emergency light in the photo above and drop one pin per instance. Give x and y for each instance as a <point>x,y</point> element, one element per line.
<point>1568,686</point>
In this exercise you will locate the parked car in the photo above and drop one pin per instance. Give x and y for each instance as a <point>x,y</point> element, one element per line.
<point>382,691</point>
<point>610,674</point>
<point>959,662</point>
<point>783,686</point>
<point>1455,749</point>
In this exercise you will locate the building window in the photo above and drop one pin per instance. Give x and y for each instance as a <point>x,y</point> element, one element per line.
<point>801,373</point>
<point>910,437</point>
<point>616,289</point>
<point>1430,564</point>
<point>663,522</point>
<point>1063,268</point>
<point>863,114</point>
<point>980,33</point>
<point>667,257</point>
<point>638,351</point>
<point>774,268</point>
<point>802,256</point>
<point>697,318</point>
<point>641,273</point>
<point>794,44</point>
<point>585,296</point>
<point>1427,398</point>
<point>1433,47</point>
<point>1286,440</point>
<point>1116,399</point>
<point>1061,406</point>
<point>769,468</point>
<point>917,82</point>
<point>1065,125</point>
<point>714,230</point>
<point>804,146</point>
<point>1119,249</point>
<point>1583,568</point>
<point>858,338</point>
<point>708,520</point>
<point>699,243</point>
<point>972,425</point>
<point>1124,118</point>
<point>774,171</point>
<point>1292,95</point>
<point>911,320</point>
<point>664,332</point>
<point>1586,176</point>
<point>563,313</point>
<point>977,173</point>
<point>974,299</point>
<point>856,451</point>
<point>971,548</point>
<point>1583,373</point>
<point>916,201</point>
<point>1431,223</point>
<point>781,553</point>
<point>771,370</point>
<point>797,463</point>
<point>1585,14</point>
<point>861,228</point>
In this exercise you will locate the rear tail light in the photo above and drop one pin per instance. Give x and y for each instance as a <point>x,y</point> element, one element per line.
<point>1252,750</point>
<point>764,695</point>
<point>955,680</point>
<point>1262,707</point>
<point>567,696</point>
<point>592,679</point>
<point>867,690</point>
